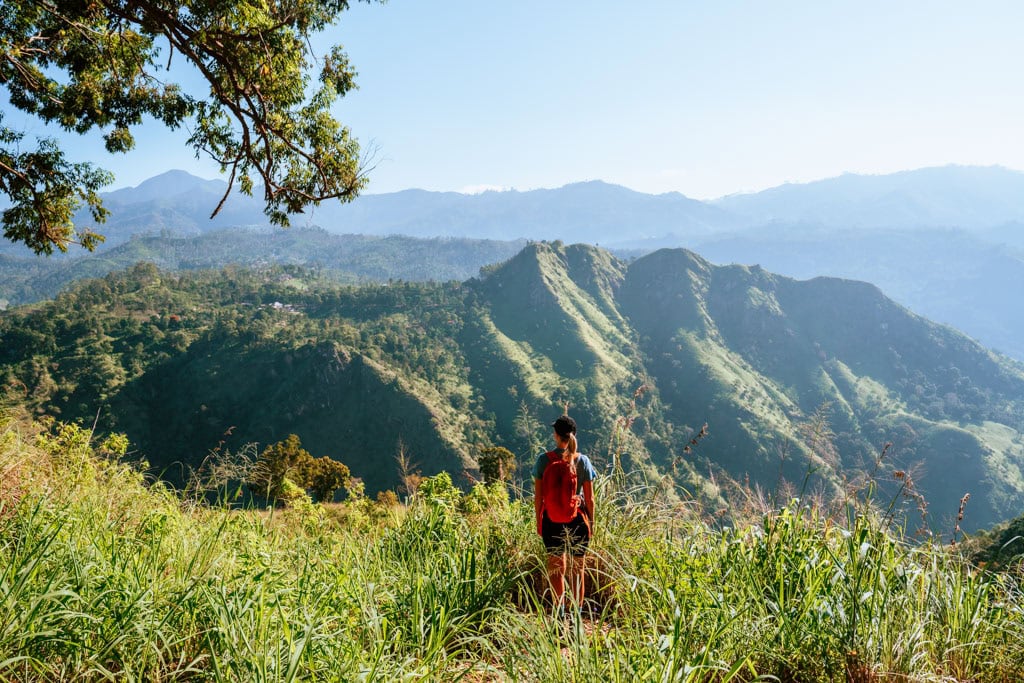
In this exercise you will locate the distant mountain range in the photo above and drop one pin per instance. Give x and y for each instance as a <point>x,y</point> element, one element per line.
<point>592,212</point>
<point>967,197</point>
<point>964,197</point>
<point>949,197</point>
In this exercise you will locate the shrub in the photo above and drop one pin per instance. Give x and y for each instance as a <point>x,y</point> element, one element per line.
<point>439,491</point>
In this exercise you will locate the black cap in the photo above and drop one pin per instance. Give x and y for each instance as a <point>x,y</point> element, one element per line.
<point>564,426</point>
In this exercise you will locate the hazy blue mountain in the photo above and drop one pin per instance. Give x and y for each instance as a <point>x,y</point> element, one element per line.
<point>178,202</point>
<point>593,212</point>
<point>969,197</point>
<point>174,202</point>
<point>1009,234</point>
<point>165,186</point>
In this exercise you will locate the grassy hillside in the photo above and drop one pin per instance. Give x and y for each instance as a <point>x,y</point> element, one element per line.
<point>801,384</point>
<point>108,576</point>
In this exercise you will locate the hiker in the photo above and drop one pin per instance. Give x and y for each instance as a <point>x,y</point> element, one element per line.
<point>563,500</point>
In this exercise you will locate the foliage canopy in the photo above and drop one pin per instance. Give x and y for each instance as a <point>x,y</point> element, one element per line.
<point>104,65</point>
<point>497,463</point>
<point>286,461</point>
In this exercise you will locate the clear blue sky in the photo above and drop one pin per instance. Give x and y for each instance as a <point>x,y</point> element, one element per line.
<point>703,98</point>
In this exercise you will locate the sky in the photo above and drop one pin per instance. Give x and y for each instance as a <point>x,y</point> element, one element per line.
<point>703,98</point>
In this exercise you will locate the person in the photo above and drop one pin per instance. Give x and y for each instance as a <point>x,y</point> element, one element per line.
<point>566,543</point>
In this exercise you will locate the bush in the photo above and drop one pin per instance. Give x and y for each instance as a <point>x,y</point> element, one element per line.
<point>439,492</point>
<point>285,465</point>
<point>483,497</point>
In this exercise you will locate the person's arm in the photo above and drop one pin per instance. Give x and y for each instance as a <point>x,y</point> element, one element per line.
<point>588,499</point>
<point>538,505</point>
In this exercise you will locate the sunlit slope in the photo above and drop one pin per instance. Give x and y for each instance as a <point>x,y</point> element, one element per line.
<point>759,355</point>
<point>549,333</point>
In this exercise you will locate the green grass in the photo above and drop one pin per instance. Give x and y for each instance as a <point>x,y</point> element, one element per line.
<point>1006,454</point>
<point>535,370</point>
<point>105,576</point>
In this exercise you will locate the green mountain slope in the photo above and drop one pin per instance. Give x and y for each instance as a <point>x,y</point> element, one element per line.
<point>343,403</point>
<point>643,352</point>
<point>759,354</point>
<point>549,333</point>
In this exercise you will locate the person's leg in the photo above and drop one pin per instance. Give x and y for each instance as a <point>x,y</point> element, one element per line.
<point>554,543</point>
<point>577,572</point>
<point>580,534</point>
<point>578,537</point>
<point>556,580</point>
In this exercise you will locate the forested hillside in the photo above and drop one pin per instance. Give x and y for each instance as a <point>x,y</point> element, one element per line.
<point>342,258</point>
<point>800,383</point>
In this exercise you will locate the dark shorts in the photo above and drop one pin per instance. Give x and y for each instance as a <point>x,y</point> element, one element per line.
<point>572,537</point>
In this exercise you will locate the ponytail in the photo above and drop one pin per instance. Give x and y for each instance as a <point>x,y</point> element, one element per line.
<point>571,453</point>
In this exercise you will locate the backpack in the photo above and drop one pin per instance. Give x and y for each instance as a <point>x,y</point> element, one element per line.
<point>558,488</point>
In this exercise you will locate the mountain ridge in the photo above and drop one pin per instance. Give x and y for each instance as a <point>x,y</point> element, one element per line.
<point>976,198</point>
<point>970,197</point>
<point>643,352</point>
<point>925,197</point>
